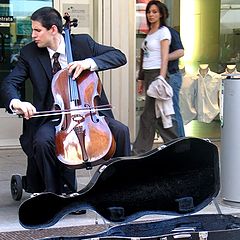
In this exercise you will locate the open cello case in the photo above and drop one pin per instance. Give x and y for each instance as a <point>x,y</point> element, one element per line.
<point>178,179</point>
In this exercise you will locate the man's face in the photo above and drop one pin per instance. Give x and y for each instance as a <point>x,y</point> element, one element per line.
<point>41,36</point>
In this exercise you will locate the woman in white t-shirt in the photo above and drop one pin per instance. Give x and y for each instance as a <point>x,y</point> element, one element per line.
<point>153,64</point>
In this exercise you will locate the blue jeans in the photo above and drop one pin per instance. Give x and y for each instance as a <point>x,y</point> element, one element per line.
<point>175,80</point>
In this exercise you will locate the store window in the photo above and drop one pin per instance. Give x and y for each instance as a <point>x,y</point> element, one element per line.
<point>15,32</point>
<point>210,34</point>
<point>230,33</point>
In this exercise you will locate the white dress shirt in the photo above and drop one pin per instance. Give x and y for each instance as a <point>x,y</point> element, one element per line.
<point>63,56</point>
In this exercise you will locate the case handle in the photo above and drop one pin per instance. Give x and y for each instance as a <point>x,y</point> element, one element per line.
<point>182,236</point>
<point>202,236</point>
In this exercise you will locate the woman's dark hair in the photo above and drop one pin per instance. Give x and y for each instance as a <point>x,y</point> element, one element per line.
<point>48,16</point>
<point>162,8</point>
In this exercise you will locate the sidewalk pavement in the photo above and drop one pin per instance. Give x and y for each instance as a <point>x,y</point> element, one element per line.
<point>13,161</point>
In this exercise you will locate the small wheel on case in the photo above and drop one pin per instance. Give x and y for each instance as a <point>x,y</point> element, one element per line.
<point>16,187</point>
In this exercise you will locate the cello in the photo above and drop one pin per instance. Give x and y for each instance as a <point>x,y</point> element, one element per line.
<point>82,137</point>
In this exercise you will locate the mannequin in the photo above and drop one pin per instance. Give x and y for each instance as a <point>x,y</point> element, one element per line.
<point>231,68</point>
<point>187,94</point>
<point>203,69</point>
<point>207,98</point>
<point>231,71</point>
<point>182,69</point>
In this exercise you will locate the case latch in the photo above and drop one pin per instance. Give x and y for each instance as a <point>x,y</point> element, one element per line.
<point>203,235</point>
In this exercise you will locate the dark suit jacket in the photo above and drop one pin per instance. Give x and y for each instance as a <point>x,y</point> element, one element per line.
<point>34,63</point>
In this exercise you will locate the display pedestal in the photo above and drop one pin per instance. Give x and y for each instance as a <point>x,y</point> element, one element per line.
<point>230,142</point>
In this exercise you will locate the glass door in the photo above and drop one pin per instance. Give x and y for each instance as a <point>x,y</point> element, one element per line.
<point>15,32</point>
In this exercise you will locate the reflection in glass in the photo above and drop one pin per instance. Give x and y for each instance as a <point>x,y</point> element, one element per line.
<point>17,33</point>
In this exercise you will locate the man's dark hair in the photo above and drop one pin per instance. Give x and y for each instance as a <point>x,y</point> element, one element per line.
<point>48,16</point>
<point>162,9</point>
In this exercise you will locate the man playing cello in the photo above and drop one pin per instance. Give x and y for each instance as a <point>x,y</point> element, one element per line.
<point>44,171</point>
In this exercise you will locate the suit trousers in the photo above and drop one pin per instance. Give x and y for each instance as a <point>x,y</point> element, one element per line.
<point>45,172</point>
<point>122,137</point>
<point>149,124</point>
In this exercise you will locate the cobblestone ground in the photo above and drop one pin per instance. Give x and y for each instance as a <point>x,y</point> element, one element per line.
<point>53,232</point>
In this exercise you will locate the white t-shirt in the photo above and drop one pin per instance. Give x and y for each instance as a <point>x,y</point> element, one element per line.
<point>152,48</point>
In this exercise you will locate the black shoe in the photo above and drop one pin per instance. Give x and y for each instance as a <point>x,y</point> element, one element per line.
<point>80,212</point>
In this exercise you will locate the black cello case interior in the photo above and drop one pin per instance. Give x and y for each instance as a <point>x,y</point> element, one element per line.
<point>177,179</point>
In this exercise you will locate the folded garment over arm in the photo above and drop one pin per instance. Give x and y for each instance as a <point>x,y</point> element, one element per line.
<point>163,93</point>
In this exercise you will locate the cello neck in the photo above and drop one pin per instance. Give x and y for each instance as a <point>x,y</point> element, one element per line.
<point>67,29</point>
<point>68,45</point>
<point>73,90</point>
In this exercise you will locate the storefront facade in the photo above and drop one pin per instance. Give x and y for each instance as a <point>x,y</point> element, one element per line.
<point>209,32</point>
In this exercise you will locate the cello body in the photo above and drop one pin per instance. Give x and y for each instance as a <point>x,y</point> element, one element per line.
<point>82,137</point>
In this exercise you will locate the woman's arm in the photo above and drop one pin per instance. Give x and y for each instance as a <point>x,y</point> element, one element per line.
<point>164,57</point>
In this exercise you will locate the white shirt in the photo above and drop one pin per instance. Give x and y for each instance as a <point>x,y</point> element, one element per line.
<point>200,97</point>
<point>152,48</point>
<point>233,74</point>
<point>208,96</point>
<point>188,97</point>
<point>63,57</point>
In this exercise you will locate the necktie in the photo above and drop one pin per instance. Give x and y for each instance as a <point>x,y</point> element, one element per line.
<point>56,64</point>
